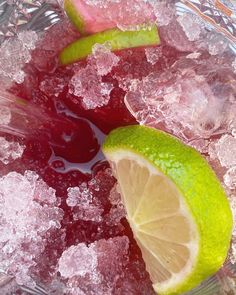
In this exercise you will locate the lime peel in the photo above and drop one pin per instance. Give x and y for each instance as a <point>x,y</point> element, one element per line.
<point>117,39</point>
<point>202,196</point>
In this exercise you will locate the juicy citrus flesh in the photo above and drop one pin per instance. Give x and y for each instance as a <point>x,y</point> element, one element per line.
<point>175,205</point>
<point>162,226</point>
<point>117,39</point>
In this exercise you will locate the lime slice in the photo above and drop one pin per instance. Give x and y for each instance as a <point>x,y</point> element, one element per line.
<point>117,39</point>
<point>176,207</point>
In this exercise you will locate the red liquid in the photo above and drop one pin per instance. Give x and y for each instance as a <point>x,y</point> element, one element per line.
<point>71,153</point>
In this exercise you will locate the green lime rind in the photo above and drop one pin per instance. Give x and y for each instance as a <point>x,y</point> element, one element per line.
<point>199,186</point>
<point>118,40</point>
<point>74,16</point>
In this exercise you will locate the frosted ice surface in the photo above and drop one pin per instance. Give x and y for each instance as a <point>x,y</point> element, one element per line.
<point>27,216</point>
<point>225,150</point>
<point>230,178</point>
<point>186,99</point>
<point>15,53</point>
<point>153,54</point>
<point>5,115</point>
<point>117,211</point>
<point>101,3</point>
<point>95,268</point>
<point>83,204</point>
<point>88,84</point>
<point>114,196</point>
<point>28,39</point>
<point>181,102</point>
<point>103,58</point>
<point>125,14</point>
<point>216,43</point>
<point>191,26</point>
<point>78,261</point>
<point>174,35</point>
<point>234,65</point>
<point>10,151</point>
<point>163,10</point>
<point>53,86</point>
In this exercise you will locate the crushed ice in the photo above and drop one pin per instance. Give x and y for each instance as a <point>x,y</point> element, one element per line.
<point>28,214</point>
<point>87,82</point>
<point>94,268</point>
<point>15,53</point>
<point>84,205</point>
<point>10,151</point>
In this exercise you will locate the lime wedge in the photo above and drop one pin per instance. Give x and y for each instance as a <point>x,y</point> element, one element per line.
<point>176,207</point>
<point>118,40</point>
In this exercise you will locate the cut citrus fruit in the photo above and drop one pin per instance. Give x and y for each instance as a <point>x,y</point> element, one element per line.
<point>92,18</point>
<point>116,38</point>
<point>176,207</point>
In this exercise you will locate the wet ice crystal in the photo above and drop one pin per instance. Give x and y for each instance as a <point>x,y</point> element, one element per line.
<point>225,150</point>
<point>28,214</point>
<point>125,14</point>
<point>78,261</point>
<point>83,204</point>
<point>191,26</point>
<point>230,178</point>
<point>15,53</point>
<point>164,11</point>
<point>185,98</point>
<point>117,211</point>
<point>153,54</point>
<point>103,58</point>
<point>94,268</point>
<point>234,65</point>
<point>5,115</point>
<point>87,84</point>
<point>10,151</point>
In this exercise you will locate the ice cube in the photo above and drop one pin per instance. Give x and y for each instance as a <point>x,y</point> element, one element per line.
<point>15,53</point>
<point>26,222</point>
<point>163,10</point>
<point>84,205</point>
<point>230,178</point>
<point>216,43</point>
<point>88,84</point>
<point>117,211</point>
<point>103,58</point>
<point>125,14</point>
<point>78,261</point>
<point>153,54</point>
<point>174,36</point>
<point>185,99</point>
<point>94,269</point>
<point>53,86</point>
<point>191,26</point>
<point>225,149</point>
<point>5,115</point>
<point>234,65</point>
<point>10,151</point>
